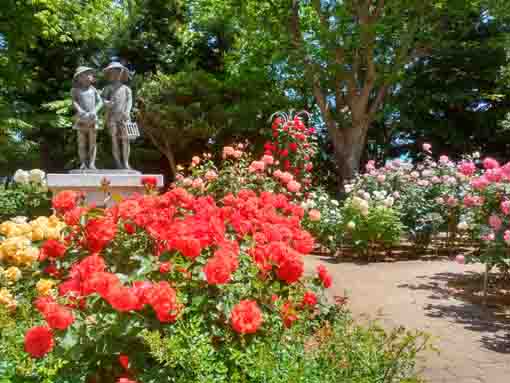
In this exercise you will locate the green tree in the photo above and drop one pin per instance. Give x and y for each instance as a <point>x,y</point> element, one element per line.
<point>351,53</point>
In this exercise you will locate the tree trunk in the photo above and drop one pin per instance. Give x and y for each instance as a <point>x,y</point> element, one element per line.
<point>171,161</point>
<point>350,149</point>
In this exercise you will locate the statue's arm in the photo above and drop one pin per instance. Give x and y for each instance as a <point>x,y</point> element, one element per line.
<point>129,101</point>
<point>99,102</point>
<point>76,103</point>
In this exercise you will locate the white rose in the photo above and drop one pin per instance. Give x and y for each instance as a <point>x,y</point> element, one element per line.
<point>463,226</point>
<point>20,220</point>
<point>36,176</point>
<point>21,177</point>
<point>334,202</point>
<point>351,225</point>
<point>388,202</point>
<point>476,155</point>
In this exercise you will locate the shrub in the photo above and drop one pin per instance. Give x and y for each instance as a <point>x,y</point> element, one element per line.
<point>369,225</point>
<point>324,219</point>
<point>27,196</point>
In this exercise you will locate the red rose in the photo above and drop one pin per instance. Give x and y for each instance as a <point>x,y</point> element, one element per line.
<point>163,299</point>
<point>290,269</point>
<point>88,266</point>
<point>309,299</point>
<point>52,271</point>
<point>246,317</point>
<point>42,303</point>
<point>39,341</point>
<point>98,233</point>
<point>101,283</point>
<point>188,246</point>
<point>149,182</point>
<point>324,276</point>
<point>284,153</point>
<point>52,249</point>
<point>165,267</point>
<point>309,167</point>
<point>72,217</point>
<point>218,270</point>
<point>124,361</point>
<point>122,299</point>
<point>288,313</point>
<point>129,228</point>
<point>58,317</point>
<point>140,289</point>
<point>293,147</point>
<point>65,200</point>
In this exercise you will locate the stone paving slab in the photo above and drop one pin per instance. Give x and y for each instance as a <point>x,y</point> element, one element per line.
<point>474,347</point>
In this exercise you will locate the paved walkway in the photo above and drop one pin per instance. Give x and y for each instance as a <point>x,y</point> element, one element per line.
<point>474,347</point>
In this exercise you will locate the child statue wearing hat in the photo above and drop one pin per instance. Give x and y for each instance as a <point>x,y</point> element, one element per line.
<point>118,100</point>
<point>86,103</point>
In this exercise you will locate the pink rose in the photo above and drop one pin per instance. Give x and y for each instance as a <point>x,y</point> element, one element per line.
<point>228,151</point>
<point>460,259</point>
<point>195,160</point>
<point>490,163</point>
<point>505,207</point>
<point>370,165</point>
<point>444,160</point>
<point>257,166</point>
<point>211,175</point>
<point>427,147</point>
<point>480,183</point>
<point>293,186</point>
<point>198,183</point>
<point>268,159</point>
<point>381,178</point>
<point>467,168</point>
<point>314,215</point>
<point>495,222</point>
<point>506,237</point>
<point>286,177</point>
<point>238,154</point>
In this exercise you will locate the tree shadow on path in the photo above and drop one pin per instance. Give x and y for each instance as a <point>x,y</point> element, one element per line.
<point>459,298</point>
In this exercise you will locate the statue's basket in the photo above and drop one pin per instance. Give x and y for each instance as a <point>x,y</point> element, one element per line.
<point>132,130</point>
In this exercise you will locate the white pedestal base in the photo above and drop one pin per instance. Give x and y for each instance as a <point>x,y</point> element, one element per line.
<point>120,183</point>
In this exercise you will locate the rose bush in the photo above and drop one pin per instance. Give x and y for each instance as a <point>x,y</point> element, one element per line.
<point>152,266</point>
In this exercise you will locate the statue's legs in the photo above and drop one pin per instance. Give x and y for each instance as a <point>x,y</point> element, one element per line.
<point>115,144</point>
<point>92,147</point>
<point>82,148</point>
<point>125,144</point>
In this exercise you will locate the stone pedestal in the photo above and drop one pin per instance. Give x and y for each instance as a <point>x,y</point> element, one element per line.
<point>120,182</point>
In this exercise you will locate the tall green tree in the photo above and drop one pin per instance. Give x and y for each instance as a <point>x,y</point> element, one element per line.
<point>351,53</point>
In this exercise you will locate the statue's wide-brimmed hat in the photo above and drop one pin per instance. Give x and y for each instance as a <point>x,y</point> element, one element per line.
<point>116,65</point>
<point>82,69</point>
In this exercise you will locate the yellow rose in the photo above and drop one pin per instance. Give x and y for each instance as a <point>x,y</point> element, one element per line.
<point>53,233</point>
<point>40,221</point>
<point>13,274</point>
<point>7,299</point>
<point>54,221</point>
<point>27,256</point>
<point>6,227</point>
<point>38,233</point>
<point>44,286</point>
<point>25,228</point>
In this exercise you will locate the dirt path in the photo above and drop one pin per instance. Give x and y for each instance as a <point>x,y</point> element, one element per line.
<point>474,348</point>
